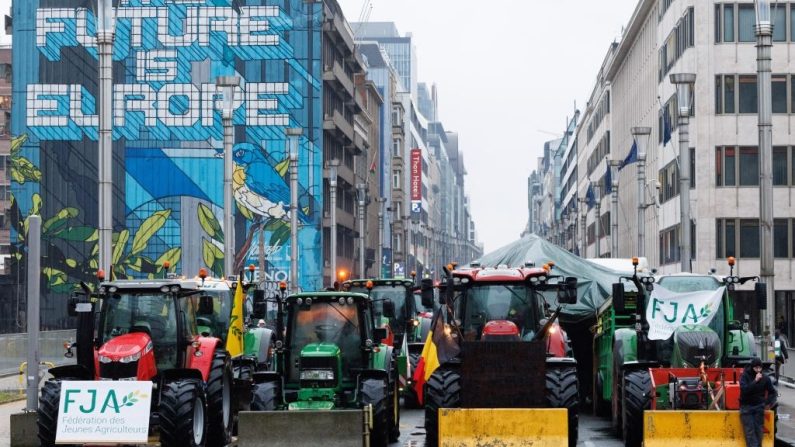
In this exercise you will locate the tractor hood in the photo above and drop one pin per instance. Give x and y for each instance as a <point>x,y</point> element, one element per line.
<point>125,348</point>
<point>694,343</point>
<point>320,350</point>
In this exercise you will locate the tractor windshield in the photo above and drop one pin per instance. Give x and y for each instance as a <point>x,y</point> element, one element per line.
<point>325,322</point>
<point>216,323</point>
<point>397,294</point>
<point>514,302</point>
<point>153,314</point>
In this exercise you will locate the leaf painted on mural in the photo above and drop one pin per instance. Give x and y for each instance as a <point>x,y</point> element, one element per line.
<point>148,228</point>
<point>17,142</point>
<point>218,268</point>
<point>54,276</point>
<point>35,207</point>
<point>210,253</point>
<point>283,166</point>
<point>95,250</point>
<point>119,272</point>
<point>244,211</point>
<point>78,234</point>
<point>209,223</point>
<point>171,255</point>
<point>71,263</point>
<point>280,236</point>
<point>142,264</point>
<point>23,170</point>
<point>118,245</point>
<point>57,222</point>
<point>275,224</point>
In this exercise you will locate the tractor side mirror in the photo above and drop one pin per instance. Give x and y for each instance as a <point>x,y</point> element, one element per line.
<point>618,297</point>
<point>567,293</point>
<point>205,305</point>
<point>380,333</point>
<point>760,291</point>
<point>426,293</point>
<point>389,308</point>
<point>260,305</point>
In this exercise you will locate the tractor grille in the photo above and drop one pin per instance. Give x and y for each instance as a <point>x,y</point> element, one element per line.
<point>118,370</point>
<point>325,363</point>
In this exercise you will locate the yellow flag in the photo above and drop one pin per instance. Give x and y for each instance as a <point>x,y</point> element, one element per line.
<point>234,338</point>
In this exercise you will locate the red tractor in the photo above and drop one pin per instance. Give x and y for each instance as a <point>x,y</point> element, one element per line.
<point>146,331</point>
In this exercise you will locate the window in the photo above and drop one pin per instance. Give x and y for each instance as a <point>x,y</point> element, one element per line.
<point>727,238</point>
<point>749,238</point>
<point>669,181</point>
<point>669,245</point>
<point>746,20</point>
<point>680,39</point>
<point>792,20</point>
<point>778,12</point>
<point>692,167</point>
<point>779,93</point>
<point>781,238</point>
<point>731,242</point>
<point>728,23</point>
<point>729,94</point>
<point>780,166</point>
<point>725,166</point>
<point>396,180</point>
<point>747,94</point>
<point>749,166</point>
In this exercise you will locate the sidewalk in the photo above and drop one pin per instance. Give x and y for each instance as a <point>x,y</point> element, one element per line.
<point>785,434</point>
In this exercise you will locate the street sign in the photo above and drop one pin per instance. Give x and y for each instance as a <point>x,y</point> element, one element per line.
<point>104,412</point>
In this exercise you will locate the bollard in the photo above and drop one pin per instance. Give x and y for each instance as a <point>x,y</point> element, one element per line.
<point>34,274</point>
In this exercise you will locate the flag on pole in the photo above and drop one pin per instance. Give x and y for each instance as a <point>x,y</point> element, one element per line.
<point>609,180</point>
<point>234,337</point>
<point>439,349</point>
<point>590,198</point>
<point>632,157</point>
<point>666,126</point>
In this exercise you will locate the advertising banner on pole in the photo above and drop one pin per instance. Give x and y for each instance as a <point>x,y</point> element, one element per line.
<point>415,186</point>
<point>668,310</point>
<point>104,412</point>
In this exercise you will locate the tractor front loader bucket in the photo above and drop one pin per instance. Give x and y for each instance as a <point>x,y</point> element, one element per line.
<point>699,428</point>
<point>331,428</point>
<point>504,427</point>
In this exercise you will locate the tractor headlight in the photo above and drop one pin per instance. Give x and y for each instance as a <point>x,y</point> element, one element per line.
<point>174,289</point>
<point>103,359</point>
<point>533,279</point>
<point>131,358</point>
<point>164,289</point>
<point>112,289</point>
<point>102,290</point>
<point>350,300</point>
<point>341,301</point>
<point>317,374</point>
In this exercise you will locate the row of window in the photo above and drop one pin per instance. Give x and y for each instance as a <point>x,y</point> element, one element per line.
<point>681,38</point>
<point>736,22</point>
<point>663,6</point>
<point>669,178</point>
<point>599,114</point>
<point>738,93</point>
<point>604,228</point>
<point>671,111</point>
<point>669,244</point>
<point>600,151</point>
<point>741,238</point>
<point>739,166</point>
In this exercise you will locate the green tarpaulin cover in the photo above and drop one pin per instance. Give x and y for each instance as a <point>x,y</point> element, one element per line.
<point>594,282</point>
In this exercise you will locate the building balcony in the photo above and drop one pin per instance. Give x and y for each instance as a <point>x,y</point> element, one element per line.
<point>398,162</point>
<point>360,144</point>
<point>340,31</point>
<point>336,76</point>
<point>397,129</point>
<point>337,124</point>
<point>344,219</point>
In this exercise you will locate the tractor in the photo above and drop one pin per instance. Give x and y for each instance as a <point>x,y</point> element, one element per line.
<point>510,351</point>
<point>697,367</point>
<point>405,328</point>
<point>146,331</point>
<point>331,358</point>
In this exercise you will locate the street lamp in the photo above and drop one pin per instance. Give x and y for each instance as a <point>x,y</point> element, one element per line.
<point>106,25</point>
<point>227,84</point>
<point>684,90</point>
<point>380,256</point>
<point>641,137</point>
<point>597,192</point>
<point>361,193</point>
<point>332,183</point>
<point>764,42</point>
<point>293,134</point>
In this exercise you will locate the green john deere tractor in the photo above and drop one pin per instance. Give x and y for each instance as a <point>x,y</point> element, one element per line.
<point>628,364</point>
<point>330,358</point>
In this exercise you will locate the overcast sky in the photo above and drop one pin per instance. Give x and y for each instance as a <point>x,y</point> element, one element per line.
<point>508,74</point>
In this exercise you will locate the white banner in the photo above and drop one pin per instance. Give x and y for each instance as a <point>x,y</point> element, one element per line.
<point>104,411</point>
<point>668,310</point>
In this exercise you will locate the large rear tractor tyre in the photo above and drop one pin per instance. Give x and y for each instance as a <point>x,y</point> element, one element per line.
<point>562,392</point>
<point>410,398</point>
<point>47,414</point>
<point>443,390</point>
<point>374,392</point>
<point>182,414</point>
<point>636,398</point>
<point>265,396</point>
<point>219,401</point>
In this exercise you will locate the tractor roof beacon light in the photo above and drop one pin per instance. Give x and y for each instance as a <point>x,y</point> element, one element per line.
<point>251,269</point>
<point>203,274</point>
<point>282,286</point>
<point>101,275</point>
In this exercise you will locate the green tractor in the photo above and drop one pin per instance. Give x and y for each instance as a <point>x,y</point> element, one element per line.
<point>630,366</point>
<point>407,329</point>
<point>331,358</point>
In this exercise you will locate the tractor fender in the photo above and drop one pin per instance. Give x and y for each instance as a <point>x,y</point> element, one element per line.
<point>557,362</point>
<point>267,376</point>
<point>379,374</point>
<point>202,358</point>
<point>625,346</point>
<point>77,372</point>
<point>169,375</point>
<point>382,358</point>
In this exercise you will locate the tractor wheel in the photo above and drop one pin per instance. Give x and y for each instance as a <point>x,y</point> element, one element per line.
<point>394,406</point>
<point>182,411</point>
<point>443,390</point>
<point>601,407</point>
<point>47,417</point>
<point>265,396</point>
<point>219,401</point>
<point>410,398</point>
<point>374,392</point>
<point>635,399</point>
<point>616,404</point>
<point>562,392</point>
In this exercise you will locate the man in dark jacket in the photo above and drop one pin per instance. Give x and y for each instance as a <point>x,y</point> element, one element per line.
<point>757,394</point>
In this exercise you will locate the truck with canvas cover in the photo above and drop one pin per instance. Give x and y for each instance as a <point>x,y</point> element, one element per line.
<point>495,351</point>
<point>146,330</point>
<point>669,343</point>
<point>405,329</point>
<point>330,358</point>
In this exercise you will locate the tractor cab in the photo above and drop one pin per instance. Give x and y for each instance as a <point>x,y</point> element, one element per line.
<point>399,292</point>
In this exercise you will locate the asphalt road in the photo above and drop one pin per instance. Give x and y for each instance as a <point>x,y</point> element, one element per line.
<point>594,431</point>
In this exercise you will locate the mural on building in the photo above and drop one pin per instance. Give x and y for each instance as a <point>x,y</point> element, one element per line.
<point>167,133</point>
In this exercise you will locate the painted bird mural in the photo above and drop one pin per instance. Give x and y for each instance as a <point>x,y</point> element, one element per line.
<point>258,187</point>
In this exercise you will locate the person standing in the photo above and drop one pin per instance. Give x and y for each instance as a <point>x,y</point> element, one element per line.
<point>757,394</point>
<point>781,346</point>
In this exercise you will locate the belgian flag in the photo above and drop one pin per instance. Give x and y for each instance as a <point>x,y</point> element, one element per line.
<point>440,347</point>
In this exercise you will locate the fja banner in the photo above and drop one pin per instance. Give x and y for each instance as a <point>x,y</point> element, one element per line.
<point>668,310</point>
